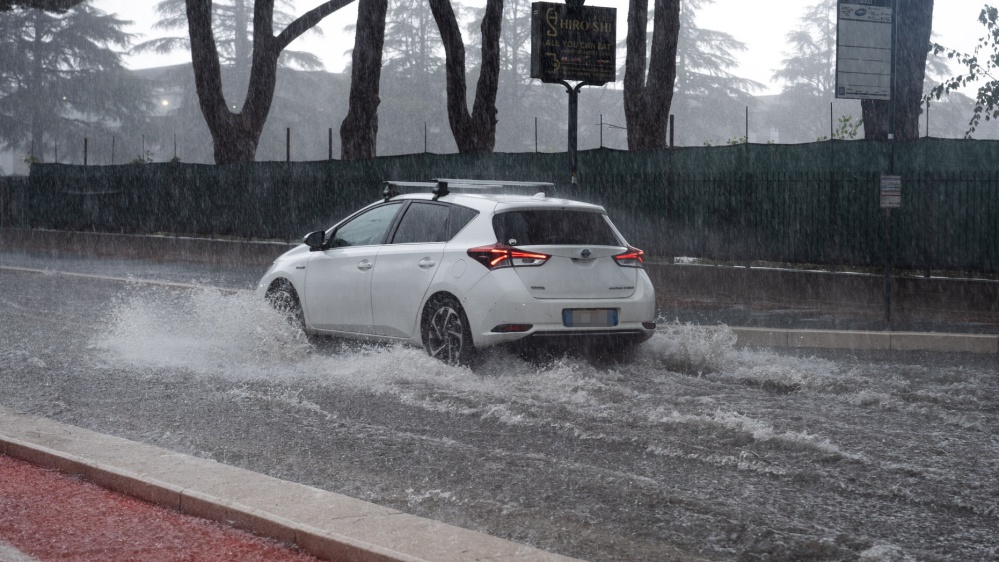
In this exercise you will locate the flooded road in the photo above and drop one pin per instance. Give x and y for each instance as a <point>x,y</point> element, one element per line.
<point>692,449</point>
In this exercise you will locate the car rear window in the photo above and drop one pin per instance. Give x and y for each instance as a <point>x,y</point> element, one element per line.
<point>553,227</point>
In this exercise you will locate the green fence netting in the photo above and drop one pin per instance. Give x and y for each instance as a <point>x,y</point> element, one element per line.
<point>811,203</point>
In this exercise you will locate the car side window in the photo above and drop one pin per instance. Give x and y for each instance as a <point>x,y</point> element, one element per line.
<point>460,216</point>
<point>423,222</point>
<point>367,228</point>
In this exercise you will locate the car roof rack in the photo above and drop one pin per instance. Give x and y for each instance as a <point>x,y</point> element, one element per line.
<point>442,186</point>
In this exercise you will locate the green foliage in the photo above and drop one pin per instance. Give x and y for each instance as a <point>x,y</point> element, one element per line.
<point>846,129</point>
<point>58,6</point>
<point>146,158</point>
<point>809,65</point>
<point>61,76</point>
<point>979,65</point>
<point>232,22</point>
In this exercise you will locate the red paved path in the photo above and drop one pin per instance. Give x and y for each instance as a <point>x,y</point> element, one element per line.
<point>51,516</point>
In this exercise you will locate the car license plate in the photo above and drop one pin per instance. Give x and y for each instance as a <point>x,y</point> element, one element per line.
<point>589,317</point>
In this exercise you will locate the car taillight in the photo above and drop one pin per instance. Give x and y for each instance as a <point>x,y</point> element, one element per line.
<point>633,257</point>
<point>501,255</point>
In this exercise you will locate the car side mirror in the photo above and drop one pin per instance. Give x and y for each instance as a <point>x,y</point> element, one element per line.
<point>315,240</point>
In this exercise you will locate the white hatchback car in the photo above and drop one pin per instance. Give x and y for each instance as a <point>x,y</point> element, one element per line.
<point>465,265</point>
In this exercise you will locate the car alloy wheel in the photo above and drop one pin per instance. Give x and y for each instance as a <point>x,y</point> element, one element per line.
<point>446,334</point>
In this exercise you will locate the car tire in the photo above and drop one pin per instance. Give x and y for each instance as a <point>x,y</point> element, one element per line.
<point>446,334</point>
<point>282,296</point>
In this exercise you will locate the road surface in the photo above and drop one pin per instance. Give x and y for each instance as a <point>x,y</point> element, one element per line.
<point>693,449</point>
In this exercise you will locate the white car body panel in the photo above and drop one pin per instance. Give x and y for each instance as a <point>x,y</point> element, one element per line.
<point>402,276</point>
<point>338,289</point>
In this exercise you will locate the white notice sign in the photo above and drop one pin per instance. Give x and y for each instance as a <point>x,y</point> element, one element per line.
<point>864,49</point>
<point>891,192</point>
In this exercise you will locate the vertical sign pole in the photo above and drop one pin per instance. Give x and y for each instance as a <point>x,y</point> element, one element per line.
<point>888,268</point>
<point>891,165</point>
<point>573,42</point>
<point>573,92</point>
<point>573,131</point>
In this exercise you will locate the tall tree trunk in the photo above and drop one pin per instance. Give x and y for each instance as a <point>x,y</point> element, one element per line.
<point>914,23</point>
<point>647,101</point>
<point>241,48</point>
<point>359,130</point>
<point>235,135</point>
<point>475,131</point>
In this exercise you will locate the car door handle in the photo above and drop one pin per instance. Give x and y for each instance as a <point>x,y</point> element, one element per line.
<point>427,263</point>
<point>364,265</point>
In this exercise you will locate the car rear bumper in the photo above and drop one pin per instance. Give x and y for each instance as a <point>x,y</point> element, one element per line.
<point>514,306</point>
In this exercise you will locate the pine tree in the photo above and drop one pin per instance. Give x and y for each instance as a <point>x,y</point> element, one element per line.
<point>236,133</point>
<point>61,78</point>
<point>707,96</point>
<point>57,6</point>
<point>809,63</point>
<point>232,24</point>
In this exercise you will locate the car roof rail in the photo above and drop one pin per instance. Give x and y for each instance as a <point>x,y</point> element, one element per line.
<point>443,186</point>
<point>392,188</point>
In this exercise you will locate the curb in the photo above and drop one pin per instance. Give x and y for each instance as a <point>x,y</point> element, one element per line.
<point>324,524</point>
<point>891,341</point>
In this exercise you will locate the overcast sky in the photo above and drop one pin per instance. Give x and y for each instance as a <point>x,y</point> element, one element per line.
<point>761,24</point>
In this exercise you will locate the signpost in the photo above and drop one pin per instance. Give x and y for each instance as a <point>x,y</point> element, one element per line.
<point>891,192</point>
<point>573,42</point>
<point>865,70</point>
<point>891,198</point>
<point>864,47</point>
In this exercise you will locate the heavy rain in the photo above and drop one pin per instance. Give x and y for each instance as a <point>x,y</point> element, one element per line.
<point>143,205</point>
<point>694,448</point>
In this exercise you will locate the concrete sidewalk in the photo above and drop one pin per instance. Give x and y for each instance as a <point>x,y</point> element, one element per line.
<point>326,525</point>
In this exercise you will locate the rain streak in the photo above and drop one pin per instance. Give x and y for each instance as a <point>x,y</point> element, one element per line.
<point>691,448</point>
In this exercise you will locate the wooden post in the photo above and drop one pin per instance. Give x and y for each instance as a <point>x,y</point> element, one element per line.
<point>287,144</point>
<point>85,140</point>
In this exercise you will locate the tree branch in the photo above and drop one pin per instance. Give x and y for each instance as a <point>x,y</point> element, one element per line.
<point>306,22</point>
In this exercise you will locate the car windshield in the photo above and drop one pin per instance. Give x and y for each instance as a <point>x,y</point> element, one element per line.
<point>553,227</point>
